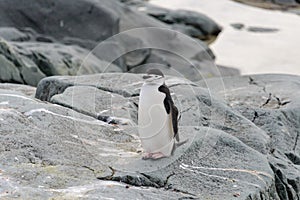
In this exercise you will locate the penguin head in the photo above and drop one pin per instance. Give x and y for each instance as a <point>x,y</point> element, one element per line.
<point>155,77</point>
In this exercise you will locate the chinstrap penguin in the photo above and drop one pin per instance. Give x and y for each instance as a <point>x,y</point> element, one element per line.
<point>157,117</point>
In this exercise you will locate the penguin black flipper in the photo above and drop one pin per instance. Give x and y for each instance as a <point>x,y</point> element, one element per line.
<point>170,108</point>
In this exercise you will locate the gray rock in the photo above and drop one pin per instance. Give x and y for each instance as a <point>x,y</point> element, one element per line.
<point>110,51</point>
<point>198,67</point>
<point>295,11</point>
<point>205,25</point>
<point>146,47</point>
<point>70,18</point>
<point>58,59</point>
<point>19,68</point>
<point>134,48</point>
<point>48,157</point>
<point>271,102</point>
<point>285,2</point>
<point>238,26</point>
<point>262,29</point>
<point>197,110</point>
<point>228,155</point>
<point>112,105</point>
<point>26,90</point>
<point>13,34</point>
<point>8,71</point>
<point>282,5</point>
<point>29,62</point>
<point>127,50</point>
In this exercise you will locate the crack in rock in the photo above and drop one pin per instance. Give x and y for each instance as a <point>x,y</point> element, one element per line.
<point>267,101</point>
<point>137,180</point>
<point>255,116</point>
<point>280,102</point>
<point>283,188</point>
<point>253,82</point>
<point>103,174</point>
<point>296,141</point>
<point>293,157</point>
<point>123,93</point>
<point>144,180</point>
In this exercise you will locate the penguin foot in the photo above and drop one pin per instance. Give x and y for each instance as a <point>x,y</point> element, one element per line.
<point>147,156</point>
<point>158,155</point>
<point>153,156</point>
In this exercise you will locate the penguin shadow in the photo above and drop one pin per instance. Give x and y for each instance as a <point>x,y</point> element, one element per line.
<point>148,165</point>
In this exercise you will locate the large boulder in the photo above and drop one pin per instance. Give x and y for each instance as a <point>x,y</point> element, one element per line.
<point>81,19</point>
<point>29,62</point>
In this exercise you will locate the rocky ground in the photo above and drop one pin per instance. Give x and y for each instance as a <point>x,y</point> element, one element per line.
<point>69,98</point>
<point>76,138</point>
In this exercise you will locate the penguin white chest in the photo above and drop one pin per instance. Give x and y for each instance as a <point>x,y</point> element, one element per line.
<point>155,126</point>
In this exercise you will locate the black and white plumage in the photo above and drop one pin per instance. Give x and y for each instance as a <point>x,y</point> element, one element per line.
<point>157,117</point>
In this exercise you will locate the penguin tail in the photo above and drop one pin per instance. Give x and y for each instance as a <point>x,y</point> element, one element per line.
<point>179,117</point>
